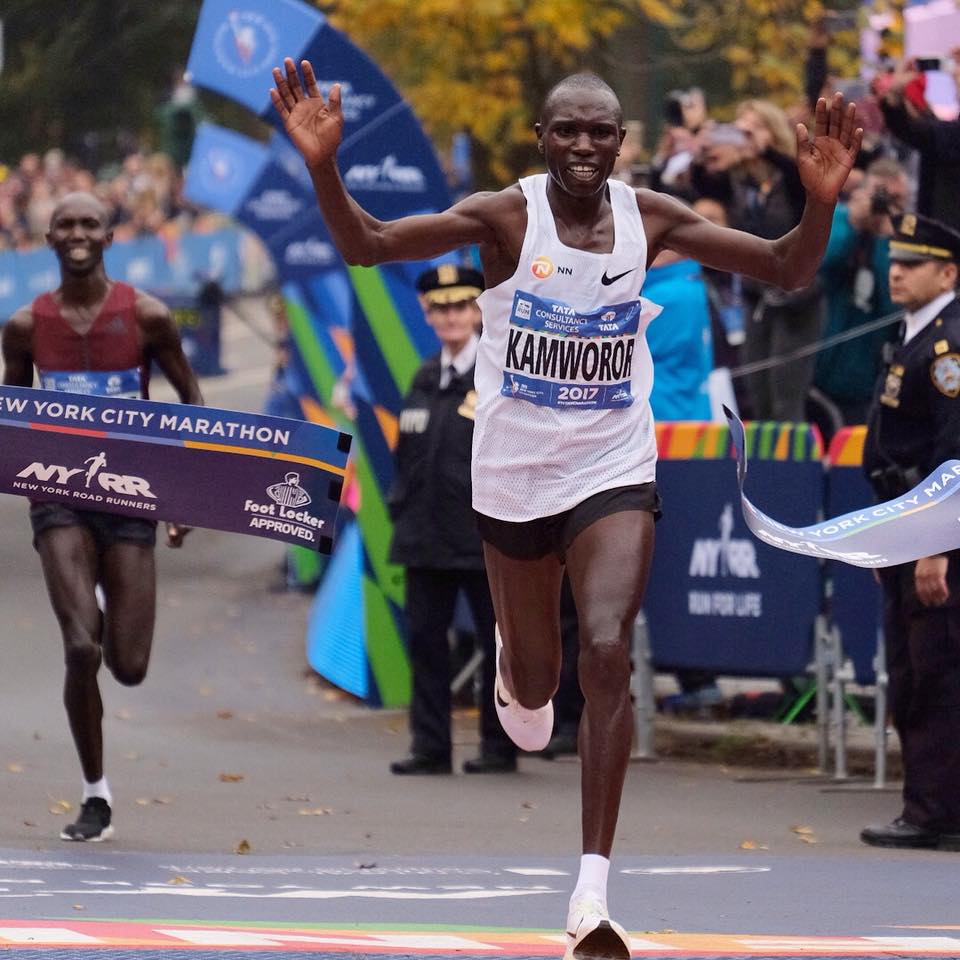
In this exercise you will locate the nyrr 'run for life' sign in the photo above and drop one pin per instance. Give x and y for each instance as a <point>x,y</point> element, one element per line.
<point>199,466</point>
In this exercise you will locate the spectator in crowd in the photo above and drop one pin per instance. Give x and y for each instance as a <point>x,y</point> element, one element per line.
<point>910,119</point>
<point>435,536</point>
<point>725,296</point>
<point>914,426</point>
<point>685,115</point>
<point>681,345</point>
<point>854,274</point>
<point>143,196</point>
<point>751,170</point>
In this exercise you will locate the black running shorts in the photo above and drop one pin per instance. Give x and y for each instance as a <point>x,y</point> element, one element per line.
<point>533,539</point>
<point>107,528</point>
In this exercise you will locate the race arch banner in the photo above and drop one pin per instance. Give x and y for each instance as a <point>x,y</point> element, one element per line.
<point>358,334</point>
<point>200,466</point>
<point>923,522</point>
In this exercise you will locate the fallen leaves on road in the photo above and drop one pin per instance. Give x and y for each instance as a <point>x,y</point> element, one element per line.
<point>242,847</point>
<point>753,845</point>
<point>805,834</point>
<point>224,714</point>
<point>60,807</point>
<point>179,881</point>
<point>314,811</point>
<point>14,768</point>
<point>231,777</point>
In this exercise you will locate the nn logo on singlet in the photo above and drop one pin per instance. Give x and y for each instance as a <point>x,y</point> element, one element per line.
<point>543,267</point>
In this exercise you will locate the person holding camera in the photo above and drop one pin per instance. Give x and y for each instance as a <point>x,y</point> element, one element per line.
<point>750,168</point>
<point>854,276</point>
<point>909,118</point>
<point>914,426</point>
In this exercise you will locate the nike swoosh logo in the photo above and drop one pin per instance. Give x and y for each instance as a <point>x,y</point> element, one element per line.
<point>606,281</point>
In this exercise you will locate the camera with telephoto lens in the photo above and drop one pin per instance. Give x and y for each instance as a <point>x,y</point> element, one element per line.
<point>673,105</point>
<point>881,202</point>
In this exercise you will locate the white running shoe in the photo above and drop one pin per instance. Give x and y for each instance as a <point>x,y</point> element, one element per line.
<point>528,729</point>
<point>592,935</point>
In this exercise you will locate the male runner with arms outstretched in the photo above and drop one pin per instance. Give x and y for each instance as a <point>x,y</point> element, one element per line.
<point>104,334</point>
<point>564,451</point>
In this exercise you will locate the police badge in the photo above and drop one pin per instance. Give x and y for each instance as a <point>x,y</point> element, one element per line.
<point>945,374</point>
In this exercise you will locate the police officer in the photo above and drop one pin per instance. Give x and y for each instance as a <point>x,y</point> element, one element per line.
<point>914,425</point>
<point>435,536</point>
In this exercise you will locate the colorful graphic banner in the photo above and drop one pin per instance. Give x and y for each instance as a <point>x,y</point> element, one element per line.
<point>240,472</point>
<point>358,334</point>
<point>923,522</point>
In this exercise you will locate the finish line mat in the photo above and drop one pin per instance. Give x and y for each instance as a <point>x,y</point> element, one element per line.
<point>101,903</point>
<point>106,940</point>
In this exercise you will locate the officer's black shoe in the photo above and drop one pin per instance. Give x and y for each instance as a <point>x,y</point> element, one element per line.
<point>949,841</point>
<point>491,763</point>
<point>900,833</point>
<point>560,745</point>
<point>419,765</point>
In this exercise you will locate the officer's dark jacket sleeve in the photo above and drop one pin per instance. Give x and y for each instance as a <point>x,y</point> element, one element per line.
<point>936,139</point>
<point>430,498</point>
<point>915,418</point>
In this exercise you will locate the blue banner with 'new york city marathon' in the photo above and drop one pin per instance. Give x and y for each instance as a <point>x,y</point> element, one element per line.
<point>925,521</point>
<point>240,472</point>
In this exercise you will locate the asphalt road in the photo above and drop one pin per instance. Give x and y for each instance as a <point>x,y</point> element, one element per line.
<point>232,761</point>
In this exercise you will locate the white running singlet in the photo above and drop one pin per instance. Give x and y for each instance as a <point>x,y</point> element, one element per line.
<point>563,372</point>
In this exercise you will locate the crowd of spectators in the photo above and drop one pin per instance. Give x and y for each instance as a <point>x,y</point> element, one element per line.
<point>742,172</point>
<point>143,193</point>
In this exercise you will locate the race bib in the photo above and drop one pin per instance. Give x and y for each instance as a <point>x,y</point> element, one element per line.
<point>561,357</point>
<point>93,383</point>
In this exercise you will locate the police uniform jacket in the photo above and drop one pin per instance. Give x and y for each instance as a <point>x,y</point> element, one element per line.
<point>430,499</point>
<point>915,417</point>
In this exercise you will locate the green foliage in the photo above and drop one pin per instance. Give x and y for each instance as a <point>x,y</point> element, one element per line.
<point>485,66</point>
<point>83,74</point>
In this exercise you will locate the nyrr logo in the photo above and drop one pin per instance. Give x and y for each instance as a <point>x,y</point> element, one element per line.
<point>542,267</point>
<point>118,483</point>
<point>245,44</point>
<point>724,557</point>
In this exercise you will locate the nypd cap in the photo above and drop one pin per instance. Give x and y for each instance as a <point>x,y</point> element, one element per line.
<point>916,238</point>
<point>449,283</point>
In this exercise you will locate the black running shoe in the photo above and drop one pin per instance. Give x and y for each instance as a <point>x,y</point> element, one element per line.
<point>92,825</point>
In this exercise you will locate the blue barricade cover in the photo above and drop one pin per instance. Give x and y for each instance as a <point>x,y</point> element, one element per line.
<point>223,469</point>
<point>177,268</point>
<point>718,599</point>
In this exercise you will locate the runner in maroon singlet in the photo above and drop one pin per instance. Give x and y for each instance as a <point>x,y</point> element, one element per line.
<point>93,335</point>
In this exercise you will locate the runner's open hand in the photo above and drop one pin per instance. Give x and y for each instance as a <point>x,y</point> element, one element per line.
<point>825,159</point>
<point>313,124</point>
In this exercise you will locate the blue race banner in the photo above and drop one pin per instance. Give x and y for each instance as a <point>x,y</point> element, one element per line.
<point>240,472</point>
<point>923,522</point>
<point>236,46</point>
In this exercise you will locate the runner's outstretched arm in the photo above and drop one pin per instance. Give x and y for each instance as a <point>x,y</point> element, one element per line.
<point>790,262</point>
<point>315,126</point>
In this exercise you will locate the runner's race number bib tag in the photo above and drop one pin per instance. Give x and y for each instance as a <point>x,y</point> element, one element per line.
<point>561,357</point>
<point>93,383</point>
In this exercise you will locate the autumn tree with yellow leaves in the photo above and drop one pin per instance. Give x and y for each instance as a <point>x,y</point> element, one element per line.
<point>485,65</point>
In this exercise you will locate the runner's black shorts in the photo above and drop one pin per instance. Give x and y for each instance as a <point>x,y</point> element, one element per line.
<point>533,539</point>
<point>107,528</point>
